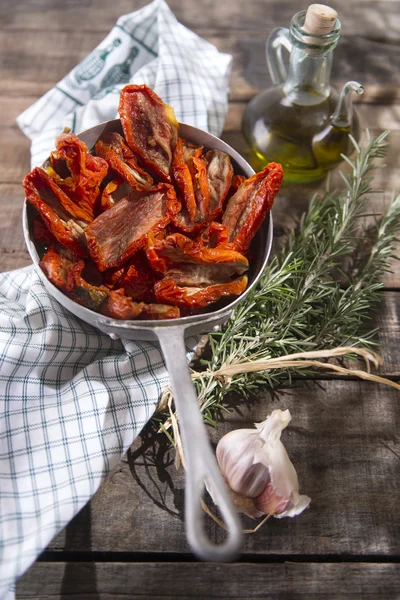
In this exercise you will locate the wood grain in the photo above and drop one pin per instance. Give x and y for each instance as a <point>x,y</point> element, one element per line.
<point>375,63</point>
<point>344,443</point>
<point>367,18</point>
<point>13,252</point>
<point>204,581</point>
<point>344,437</point>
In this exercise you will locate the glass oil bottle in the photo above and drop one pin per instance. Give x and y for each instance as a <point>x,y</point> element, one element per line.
<point>302,122</point>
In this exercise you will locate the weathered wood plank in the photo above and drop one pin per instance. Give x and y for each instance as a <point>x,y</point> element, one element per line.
<point>344,443</point>
<point>169,581</point>
<point>374,63</point>
<point>344,439</point>
<point>11,107</point>
<point>372,18</point>
<point>13,252</point>
<point>14,155</point>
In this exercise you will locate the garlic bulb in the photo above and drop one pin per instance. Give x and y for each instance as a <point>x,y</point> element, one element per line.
<point>236,452</point>
<point>257,468</point>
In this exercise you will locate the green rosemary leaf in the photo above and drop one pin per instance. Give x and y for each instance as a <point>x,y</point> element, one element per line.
<point>317,293</point>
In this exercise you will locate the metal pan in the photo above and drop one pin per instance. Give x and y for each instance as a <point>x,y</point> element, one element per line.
<point>201,464</point>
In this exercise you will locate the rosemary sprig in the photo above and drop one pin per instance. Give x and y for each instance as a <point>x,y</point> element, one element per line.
<point>306,298</point>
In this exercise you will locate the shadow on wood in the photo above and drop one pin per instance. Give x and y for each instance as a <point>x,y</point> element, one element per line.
<point>155,456</point>
<point>80,527</point>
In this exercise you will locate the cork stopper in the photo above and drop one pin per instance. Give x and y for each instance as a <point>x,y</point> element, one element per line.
<point>319,19</point>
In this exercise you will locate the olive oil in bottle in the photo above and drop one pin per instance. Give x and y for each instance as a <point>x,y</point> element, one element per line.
<point>302,122</point>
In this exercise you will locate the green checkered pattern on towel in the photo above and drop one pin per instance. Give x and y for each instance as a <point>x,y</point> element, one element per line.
<point>73,400</point>
<point>151,47</point>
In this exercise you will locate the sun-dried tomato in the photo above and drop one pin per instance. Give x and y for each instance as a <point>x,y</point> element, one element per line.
<point>67,276</point>
<point>120,158</point>
<point>107,199</point>
<point>120,306</point>
<point>169,292</point>
<point>60,271</point>
<point>41,233</point>
<point>203,182</point>
<point>115,235</point>
<point>162,226</point>
<point>183,154</point>
<point>219,176</point>
<point>247,209</point>
<point>77,172</point>
<point>138,278</point>
<point>177,249</point>
<point>237,181</point>
<point>150,128</point>
<point>64,218</point>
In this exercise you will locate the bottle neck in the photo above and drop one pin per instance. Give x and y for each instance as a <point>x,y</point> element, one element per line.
<point>310,62</point>
<point>308,79</point>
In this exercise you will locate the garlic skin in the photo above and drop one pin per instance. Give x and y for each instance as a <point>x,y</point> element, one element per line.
<point>236,455</point>
<point>281,497</point>
<point>258,470</point>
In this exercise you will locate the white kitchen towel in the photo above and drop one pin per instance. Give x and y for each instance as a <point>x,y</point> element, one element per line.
<point>149,46</point>
<point>71,399</point>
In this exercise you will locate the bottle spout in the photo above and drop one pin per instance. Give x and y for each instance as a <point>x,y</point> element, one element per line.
<point>330,144</point>
<point>343,114</point>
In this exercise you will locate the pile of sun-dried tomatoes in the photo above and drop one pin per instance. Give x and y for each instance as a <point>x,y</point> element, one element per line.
<point>147,226</point>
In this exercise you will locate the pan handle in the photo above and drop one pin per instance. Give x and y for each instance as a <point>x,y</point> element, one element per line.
<point>201,464</point>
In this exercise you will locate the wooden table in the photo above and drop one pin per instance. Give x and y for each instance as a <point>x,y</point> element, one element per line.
<point>129,541</point>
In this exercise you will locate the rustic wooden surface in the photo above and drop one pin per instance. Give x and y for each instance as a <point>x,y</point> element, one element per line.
<point>162,581</point>
<point>129,540</point>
